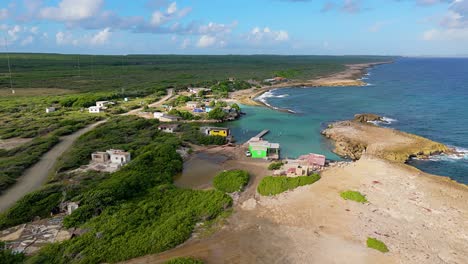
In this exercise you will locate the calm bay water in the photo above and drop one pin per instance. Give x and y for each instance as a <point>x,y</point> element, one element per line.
<point>428,97</point>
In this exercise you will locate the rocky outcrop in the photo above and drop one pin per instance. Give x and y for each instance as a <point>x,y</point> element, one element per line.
<point>354,138</point>
<point>365,118</point>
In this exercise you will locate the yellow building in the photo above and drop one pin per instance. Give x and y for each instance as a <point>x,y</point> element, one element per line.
<point>215,131</point>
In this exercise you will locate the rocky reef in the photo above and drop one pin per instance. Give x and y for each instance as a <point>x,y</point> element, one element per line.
<point>358,137</point>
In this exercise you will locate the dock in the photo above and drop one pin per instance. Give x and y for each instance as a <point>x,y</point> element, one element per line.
<point>262,134</point>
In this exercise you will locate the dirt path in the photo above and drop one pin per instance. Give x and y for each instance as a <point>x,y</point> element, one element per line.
<point>170,93</point>
<point>33,178</point>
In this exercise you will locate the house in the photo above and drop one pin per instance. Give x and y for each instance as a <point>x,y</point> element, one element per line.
<point>192,104</point>
<point>316,161</point>
<point>119,157</point>
<point>102,103</point>
<point>168,118</point>
<point>95,109</point>
<point>100,157</point>
<point>169,128</point>
<point>157,115</point>
<point>215,131</point>
<point>262,149</point>
<point>50,109</point>
<point>231,79</point>
<point>197,90</point>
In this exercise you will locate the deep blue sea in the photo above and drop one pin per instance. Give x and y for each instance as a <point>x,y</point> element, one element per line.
<point>424,96</point>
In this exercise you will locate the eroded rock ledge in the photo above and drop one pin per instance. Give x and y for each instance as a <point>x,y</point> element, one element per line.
<point>355,138</point>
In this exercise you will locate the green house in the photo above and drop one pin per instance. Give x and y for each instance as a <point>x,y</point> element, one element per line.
<point>259,152</point>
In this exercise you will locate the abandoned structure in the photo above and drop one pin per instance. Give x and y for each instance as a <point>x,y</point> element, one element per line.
<point>169,128</point>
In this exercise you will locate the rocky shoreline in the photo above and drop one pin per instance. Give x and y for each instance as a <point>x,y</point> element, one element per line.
<point>357,137</point>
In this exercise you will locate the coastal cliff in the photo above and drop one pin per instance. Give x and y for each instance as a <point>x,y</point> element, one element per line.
<point>357,137</point>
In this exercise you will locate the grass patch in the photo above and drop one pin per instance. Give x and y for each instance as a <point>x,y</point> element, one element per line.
<point>231,181</point>
<point>275,165</point>
<point>377,244</point>
<point>354,196</point>
<point>184,261</point>
<point>273,185</point>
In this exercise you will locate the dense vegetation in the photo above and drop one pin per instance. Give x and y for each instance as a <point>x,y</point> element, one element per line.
<point>273,185</point>
<point>129,213</point>
<point>156,72</point>
<point>354,196</point>
<point>377,244</point>
<point>231,181</point>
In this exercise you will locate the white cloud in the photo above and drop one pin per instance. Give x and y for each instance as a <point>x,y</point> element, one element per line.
<point>266,34</point>
<point>28,40</point>
<point>185,44</point>
<point>452,34</point>
<point>34,30</point>
<point>13,33</point>
<point>206,41</point>
<point>172,8</point>
<point>3,13</point>
<point>65,38</point>
<point>72,10</point>
<point>101,37</point>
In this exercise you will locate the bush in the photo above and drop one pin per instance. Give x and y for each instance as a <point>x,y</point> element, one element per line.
<point>354,196</point>
<point>272,185</point>
<point>184,261</point>
<point>9,257</point>
<point>275,165</point>
<point>231,181</point>
<point>377,244</point>
<point>39,203</point>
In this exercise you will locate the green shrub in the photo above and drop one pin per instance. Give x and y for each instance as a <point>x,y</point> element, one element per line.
<point>9,257</point>
<point>275,165</point>
<point>231,181</point>
<point>354,196</point>
<point>39,203</point>
<point>376,244</point>
<point>184,261</point>
<point>273,185</point>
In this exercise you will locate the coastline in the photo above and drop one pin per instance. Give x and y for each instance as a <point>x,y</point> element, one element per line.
<point>351,76</point>
<point>409,210</point>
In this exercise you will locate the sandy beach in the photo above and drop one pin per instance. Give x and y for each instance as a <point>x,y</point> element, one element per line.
<point>349,77</point>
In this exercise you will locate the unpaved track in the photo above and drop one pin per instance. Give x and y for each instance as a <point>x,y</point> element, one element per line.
<point>34,177</point>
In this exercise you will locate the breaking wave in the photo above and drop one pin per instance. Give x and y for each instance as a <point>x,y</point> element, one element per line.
<point>458,154</point>
<point>385,121</point>
<point>263,98</point>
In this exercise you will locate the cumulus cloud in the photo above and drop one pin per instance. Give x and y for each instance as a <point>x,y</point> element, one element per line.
<point>206,41</point>
<point>453,25</point>
<point>71,10</point>
<point>259,35</point>
<point>65,38</point>
<point>28,40</point>
<point>101,37</point>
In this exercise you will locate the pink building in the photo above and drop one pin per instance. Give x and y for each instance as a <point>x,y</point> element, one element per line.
<point>315,161</point>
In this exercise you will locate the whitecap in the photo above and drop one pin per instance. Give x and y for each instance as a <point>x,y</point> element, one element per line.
<point>385,121</point>
<point>457,154</point>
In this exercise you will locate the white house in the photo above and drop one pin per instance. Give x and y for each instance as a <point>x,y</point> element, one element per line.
<point>102,103</point>
<point>157,115</point>
<point>94,109</point>
<point>169,128</point>
<point>119,157</point>
<point>192,104</point>
<point>50,109</point>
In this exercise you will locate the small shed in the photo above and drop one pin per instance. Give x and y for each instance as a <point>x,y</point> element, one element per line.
<point>94,109</point>
<point>192,104</point>
<point>119,157</point>
<point>169,128</point>
<point>50,109</point>
<point>101,157</point>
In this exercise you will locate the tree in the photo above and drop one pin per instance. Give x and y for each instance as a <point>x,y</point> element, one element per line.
<point>217,114</point>
<point>236,106</point>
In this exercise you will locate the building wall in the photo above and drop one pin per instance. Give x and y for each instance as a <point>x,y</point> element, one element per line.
<point>258,154</point>
<point>223,133</point>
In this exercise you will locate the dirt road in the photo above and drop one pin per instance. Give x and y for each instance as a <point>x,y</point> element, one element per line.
<point>170,93</point>
<point>33,178</point>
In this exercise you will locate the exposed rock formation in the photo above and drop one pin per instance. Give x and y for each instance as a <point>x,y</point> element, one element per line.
<point>365,118</point>
<point>353,139</point>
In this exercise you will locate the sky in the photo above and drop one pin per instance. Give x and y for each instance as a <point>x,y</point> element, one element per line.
<point>322,27</point>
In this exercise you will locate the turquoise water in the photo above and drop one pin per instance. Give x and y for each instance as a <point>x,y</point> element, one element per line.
<point>428,97</point>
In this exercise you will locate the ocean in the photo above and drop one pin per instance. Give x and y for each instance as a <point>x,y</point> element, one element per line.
<point>424,96</point>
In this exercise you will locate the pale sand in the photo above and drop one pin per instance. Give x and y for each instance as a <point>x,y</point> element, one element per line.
<point>421,218</point>
<point>12,143</point>
<point>349,77</point>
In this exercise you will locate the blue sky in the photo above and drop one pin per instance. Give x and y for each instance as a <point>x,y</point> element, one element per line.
<point>382,27</point>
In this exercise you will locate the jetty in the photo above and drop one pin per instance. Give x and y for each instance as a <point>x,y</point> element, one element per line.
<point>262,134</point>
